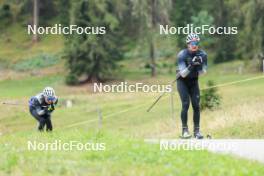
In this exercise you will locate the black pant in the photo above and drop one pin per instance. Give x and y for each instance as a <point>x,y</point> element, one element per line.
<point>188,89</point>
<point>43,120</point>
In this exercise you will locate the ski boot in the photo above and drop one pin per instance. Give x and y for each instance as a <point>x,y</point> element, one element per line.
<point>185,133</point>
<point>197,134</point>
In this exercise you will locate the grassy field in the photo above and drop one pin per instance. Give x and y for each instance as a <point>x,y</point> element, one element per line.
<point>123,156</point>
<point>241,107</point>
<point>125,125</point>
<point>125,122</point>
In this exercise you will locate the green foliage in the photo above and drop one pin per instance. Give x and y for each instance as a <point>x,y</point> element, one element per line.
<point>181,14</point>
<point>150,14</point>
<point>204,18</point>
<point>39,61</point>
<point>226,44</point>
<point>209,97</point>
<point>225,49</point>
<point>21,10</point>
<point>72,79</point>
<point>138,22</point>
<point>5,14</point>
<point>251,36</point>
<point>95,56</point>
<point>243,14</point>
<point>64,12</point>
<point>47,9</point>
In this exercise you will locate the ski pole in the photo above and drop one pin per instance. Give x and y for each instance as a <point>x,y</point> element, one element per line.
<point>14,104</point>
<point>163,93</point>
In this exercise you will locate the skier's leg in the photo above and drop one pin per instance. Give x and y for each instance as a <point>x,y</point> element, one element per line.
<point>39,118</point>
<point>195,99</point>
<point>184,95</point>
<point>34,113</point>
<point>42,122</point>
<point>48,123</point>
<point>185,100</point>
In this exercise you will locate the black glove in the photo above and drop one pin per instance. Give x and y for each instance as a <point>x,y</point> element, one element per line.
<point>196,60</point>
<point>51,108</point>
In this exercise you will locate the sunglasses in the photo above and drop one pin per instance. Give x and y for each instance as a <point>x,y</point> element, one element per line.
<point>194,43</point>
<point>50,99</point>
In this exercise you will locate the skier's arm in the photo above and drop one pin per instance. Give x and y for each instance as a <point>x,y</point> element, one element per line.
<point>183,69</point>
<point>40,111</point>
<point>34,102</point>
<point>56,101</point>
<point>204,65</point>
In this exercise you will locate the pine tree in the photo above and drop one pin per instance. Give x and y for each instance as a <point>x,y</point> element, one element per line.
<point>94,56</point>
<point>226,44</point>
<point>181,14</point>
<point>151,13</point>
<point>64,12</point>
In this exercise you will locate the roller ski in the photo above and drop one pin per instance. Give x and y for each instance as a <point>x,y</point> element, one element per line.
<point>185,133</point>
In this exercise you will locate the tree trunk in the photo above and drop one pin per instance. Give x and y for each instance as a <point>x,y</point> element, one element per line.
<point>35,19</point>
<point>93,76</point>
<point>152,57</point>
<point>152,42</point>
<point>261,62</point>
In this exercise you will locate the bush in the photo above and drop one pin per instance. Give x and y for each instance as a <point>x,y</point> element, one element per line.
<point>5,15</point>
<point>39,61</point>
<point>209,97</point>
<point>71,79</point>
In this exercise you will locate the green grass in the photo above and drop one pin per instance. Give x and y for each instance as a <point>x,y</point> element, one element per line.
<point>240,116</point>
<point>240,103</point>
<point>26,87</point>
<point>16,44</point>
<point>123,156</point>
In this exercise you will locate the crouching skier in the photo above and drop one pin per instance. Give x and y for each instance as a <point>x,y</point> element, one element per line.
<point>192,62</point>
<point>41,106</point>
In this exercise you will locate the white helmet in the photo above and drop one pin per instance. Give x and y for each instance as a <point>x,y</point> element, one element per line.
<point>49,92</point>
<point>192,37</point>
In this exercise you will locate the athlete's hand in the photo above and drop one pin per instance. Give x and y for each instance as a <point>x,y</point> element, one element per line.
<point>51,108</point>
<point>196,60</point>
